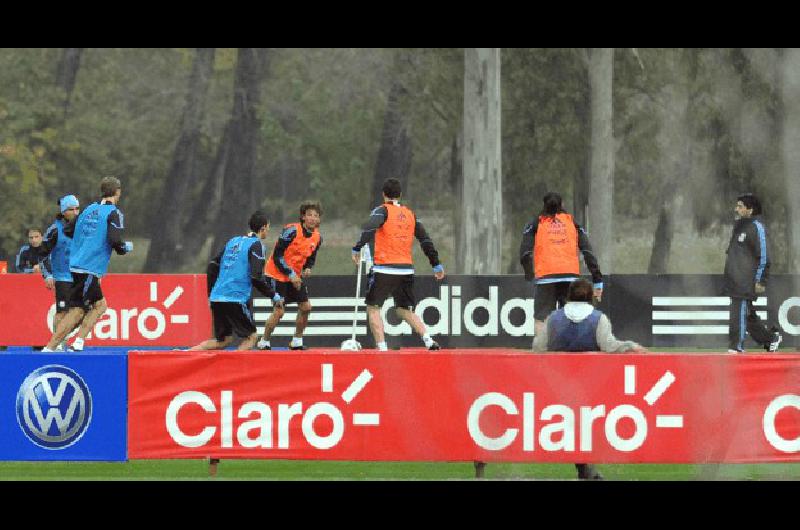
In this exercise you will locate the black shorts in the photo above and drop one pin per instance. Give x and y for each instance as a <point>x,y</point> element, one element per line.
<point>400,286</point>
<point>63,290</point>
<point>232,318</point>
<point>85,290</point>
<point>290,294</point>
<point>547,297</point>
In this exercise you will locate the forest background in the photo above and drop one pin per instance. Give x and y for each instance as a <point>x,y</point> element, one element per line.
<point>202,137</point>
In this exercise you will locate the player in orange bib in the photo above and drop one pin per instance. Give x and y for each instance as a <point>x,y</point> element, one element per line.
<point>549,255</point>
<point>394,227</point>
<point>292,258</point>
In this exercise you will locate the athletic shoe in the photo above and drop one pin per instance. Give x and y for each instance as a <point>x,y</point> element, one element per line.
<point>72,347</point>
<point>434,346</point>
<point>588,472</point>
<point>776,340</point>
<point>301,347</point>
<point>735,351</point>
<point>60,347</point>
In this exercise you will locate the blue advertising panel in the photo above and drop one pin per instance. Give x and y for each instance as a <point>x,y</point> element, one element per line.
<point>63,406</point>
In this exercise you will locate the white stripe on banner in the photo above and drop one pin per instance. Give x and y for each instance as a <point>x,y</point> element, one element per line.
<point>690,330</point>
<point>315,317</point>
<point>669,421</point>
<point>698,315</point>
<point>700,300</point>
<point>344,331</point>
<point>346,301</point>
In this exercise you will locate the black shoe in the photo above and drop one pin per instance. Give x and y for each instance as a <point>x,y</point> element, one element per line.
<point>434,346</point>
<point>772,346</point>
<point>588,472</point>
<point>297,347</point>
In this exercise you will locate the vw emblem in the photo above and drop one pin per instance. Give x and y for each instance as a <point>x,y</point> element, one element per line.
<point>54,407</point>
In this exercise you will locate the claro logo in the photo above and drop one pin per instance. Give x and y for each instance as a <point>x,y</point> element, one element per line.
<point>149,322</point>
<point>558,422</point>
<point>258,429</point>
<point>768,423</point>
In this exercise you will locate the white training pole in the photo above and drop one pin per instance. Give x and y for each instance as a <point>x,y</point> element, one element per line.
<point>358,290</point>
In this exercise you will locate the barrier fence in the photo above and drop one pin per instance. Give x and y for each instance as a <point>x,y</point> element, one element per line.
<point>171,310</point>
<point>413,405</point>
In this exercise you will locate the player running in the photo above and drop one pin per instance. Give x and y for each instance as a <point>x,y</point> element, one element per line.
<point>233,273</point>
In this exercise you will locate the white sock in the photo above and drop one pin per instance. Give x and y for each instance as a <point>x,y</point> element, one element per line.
<point>426,338</point>
<point>78,344</point>
<point>382,346</point>
<point>263,343</point>
<point>297,341</point>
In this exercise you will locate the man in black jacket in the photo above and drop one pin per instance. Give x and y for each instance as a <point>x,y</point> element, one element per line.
<point>746,273</point>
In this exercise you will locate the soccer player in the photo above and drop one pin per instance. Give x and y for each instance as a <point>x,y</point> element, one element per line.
<point>746,272</point>
<point>30,255</point>
<point>98,230</point>
<point>549,256</point>
<point>392,227</point>
<point>56,249</point>
<point>293,256</point>
<point>233,273</point>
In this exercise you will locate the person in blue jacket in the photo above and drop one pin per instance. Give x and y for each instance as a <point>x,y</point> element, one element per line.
<point>98,231</point>
<point>55,249</point>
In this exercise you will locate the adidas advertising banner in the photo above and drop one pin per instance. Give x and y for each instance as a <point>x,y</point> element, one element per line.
<point>465,405</point>
<point>171,310</point>
<point>63,406</point>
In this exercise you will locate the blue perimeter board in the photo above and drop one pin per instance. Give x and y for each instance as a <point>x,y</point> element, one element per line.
<point>53,429</point>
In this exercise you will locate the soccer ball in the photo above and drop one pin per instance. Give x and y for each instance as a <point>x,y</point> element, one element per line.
<point>351,345</point>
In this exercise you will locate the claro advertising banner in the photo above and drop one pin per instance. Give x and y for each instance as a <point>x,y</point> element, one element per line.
<point>171,310</point>
<point>63,407</point>
<point>464,405</point>
<point>143,310</point>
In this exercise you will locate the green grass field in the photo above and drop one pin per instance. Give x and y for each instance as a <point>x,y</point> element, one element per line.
<point>333,471</point>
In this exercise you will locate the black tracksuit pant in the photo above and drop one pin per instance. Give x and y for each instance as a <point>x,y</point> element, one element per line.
<point>743,320</point>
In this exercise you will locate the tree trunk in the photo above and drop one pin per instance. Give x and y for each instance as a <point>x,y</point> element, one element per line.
<point>240,172</point>
<point>394,156</point>
<point>678,151</point>
<point>481,227</point>
<point>67,73</point>
<point>790,92</point>
<point>205,211</point>
<point>168,228</point>
<point>601,187</point>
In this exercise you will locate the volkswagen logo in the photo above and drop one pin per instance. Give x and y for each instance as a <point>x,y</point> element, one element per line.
<point>54,407</point>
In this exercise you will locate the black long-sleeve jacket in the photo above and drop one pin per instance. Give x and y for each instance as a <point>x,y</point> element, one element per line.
<point>747,261</point>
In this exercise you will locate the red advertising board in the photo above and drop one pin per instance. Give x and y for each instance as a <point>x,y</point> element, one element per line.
<point>143,310</point>
<point>465,405</point>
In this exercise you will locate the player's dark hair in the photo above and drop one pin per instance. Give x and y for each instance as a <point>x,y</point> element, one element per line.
<point>310,205</point>
<point>552,204</point>
<point>580,291</point>
<point>109,186</point>
<point>35,229</point>
<point>258,220</point>
<point>392,188</point>
<point>750,201</point>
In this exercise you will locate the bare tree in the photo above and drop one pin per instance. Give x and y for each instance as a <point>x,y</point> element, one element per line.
<point>481,228</point>
<point>790,81</point>
<point>239,174</point>
<point>67,73</point>
<point>168,227</point>
<point>394,155</point>
<point>601,196</point>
